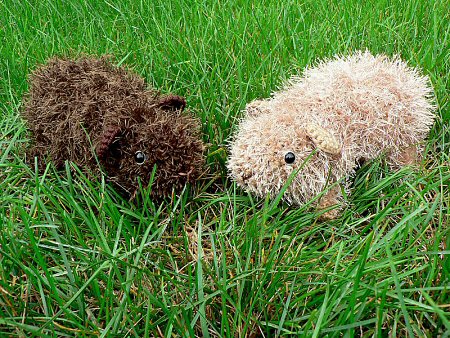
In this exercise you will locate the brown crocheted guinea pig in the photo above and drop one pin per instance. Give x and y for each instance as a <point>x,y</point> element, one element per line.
<point>104,118</point>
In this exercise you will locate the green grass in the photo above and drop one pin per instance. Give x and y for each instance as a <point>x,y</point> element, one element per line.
<point>77,260</point>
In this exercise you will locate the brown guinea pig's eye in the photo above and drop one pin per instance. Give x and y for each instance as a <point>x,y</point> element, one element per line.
<point>289,158</point>
<point>139,157</point>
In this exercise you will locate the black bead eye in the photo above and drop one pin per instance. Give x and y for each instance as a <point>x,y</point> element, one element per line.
<point>289,158</point>
<point>139,157</point>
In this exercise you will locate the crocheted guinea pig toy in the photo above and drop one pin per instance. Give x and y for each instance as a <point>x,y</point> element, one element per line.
<point>338,113</point>
<point>104,118</point>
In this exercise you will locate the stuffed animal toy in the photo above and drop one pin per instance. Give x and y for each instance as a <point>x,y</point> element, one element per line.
<point>105,119</point>
<point>320,125</point>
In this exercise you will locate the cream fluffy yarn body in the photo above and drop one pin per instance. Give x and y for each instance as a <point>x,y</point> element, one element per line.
<point>340,112</point>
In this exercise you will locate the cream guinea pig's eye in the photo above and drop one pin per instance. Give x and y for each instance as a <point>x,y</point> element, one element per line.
<point>289,158</point>
<point>139,157</point>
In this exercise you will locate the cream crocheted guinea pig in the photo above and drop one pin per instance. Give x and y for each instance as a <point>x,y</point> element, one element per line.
<point>338,113</point>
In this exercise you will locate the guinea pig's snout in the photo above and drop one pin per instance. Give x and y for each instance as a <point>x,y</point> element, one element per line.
<point>245,174</point>
<point>245,177</point>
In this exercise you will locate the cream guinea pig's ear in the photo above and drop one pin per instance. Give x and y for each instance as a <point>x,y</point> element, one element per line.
<point>256,108</point>
<point>323,139</point>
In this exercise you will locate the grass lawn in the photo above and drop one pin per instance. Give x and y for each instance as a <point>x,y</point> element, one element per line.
<point>78,260</point>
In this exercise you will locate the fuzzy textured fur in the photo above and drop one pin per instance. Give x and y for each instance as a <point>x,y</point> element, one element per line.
<point>90,112</point>
<point>338,113</point>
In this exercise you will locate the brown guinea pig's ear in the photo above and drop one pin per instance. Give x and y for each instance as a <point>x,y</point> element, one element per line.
<point>107,138</point>
<point>323,139</point>
<point>172,102</point>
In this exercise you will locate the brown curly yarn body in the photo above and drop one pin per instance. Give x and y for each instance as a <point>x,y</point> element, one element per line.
<point>104,118</point>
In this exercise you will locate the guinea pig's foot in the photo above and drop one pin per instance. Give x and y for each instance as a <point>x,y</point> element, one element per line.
<point>408,156</point>
<point>329,215</point>
<point>328,200</point>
